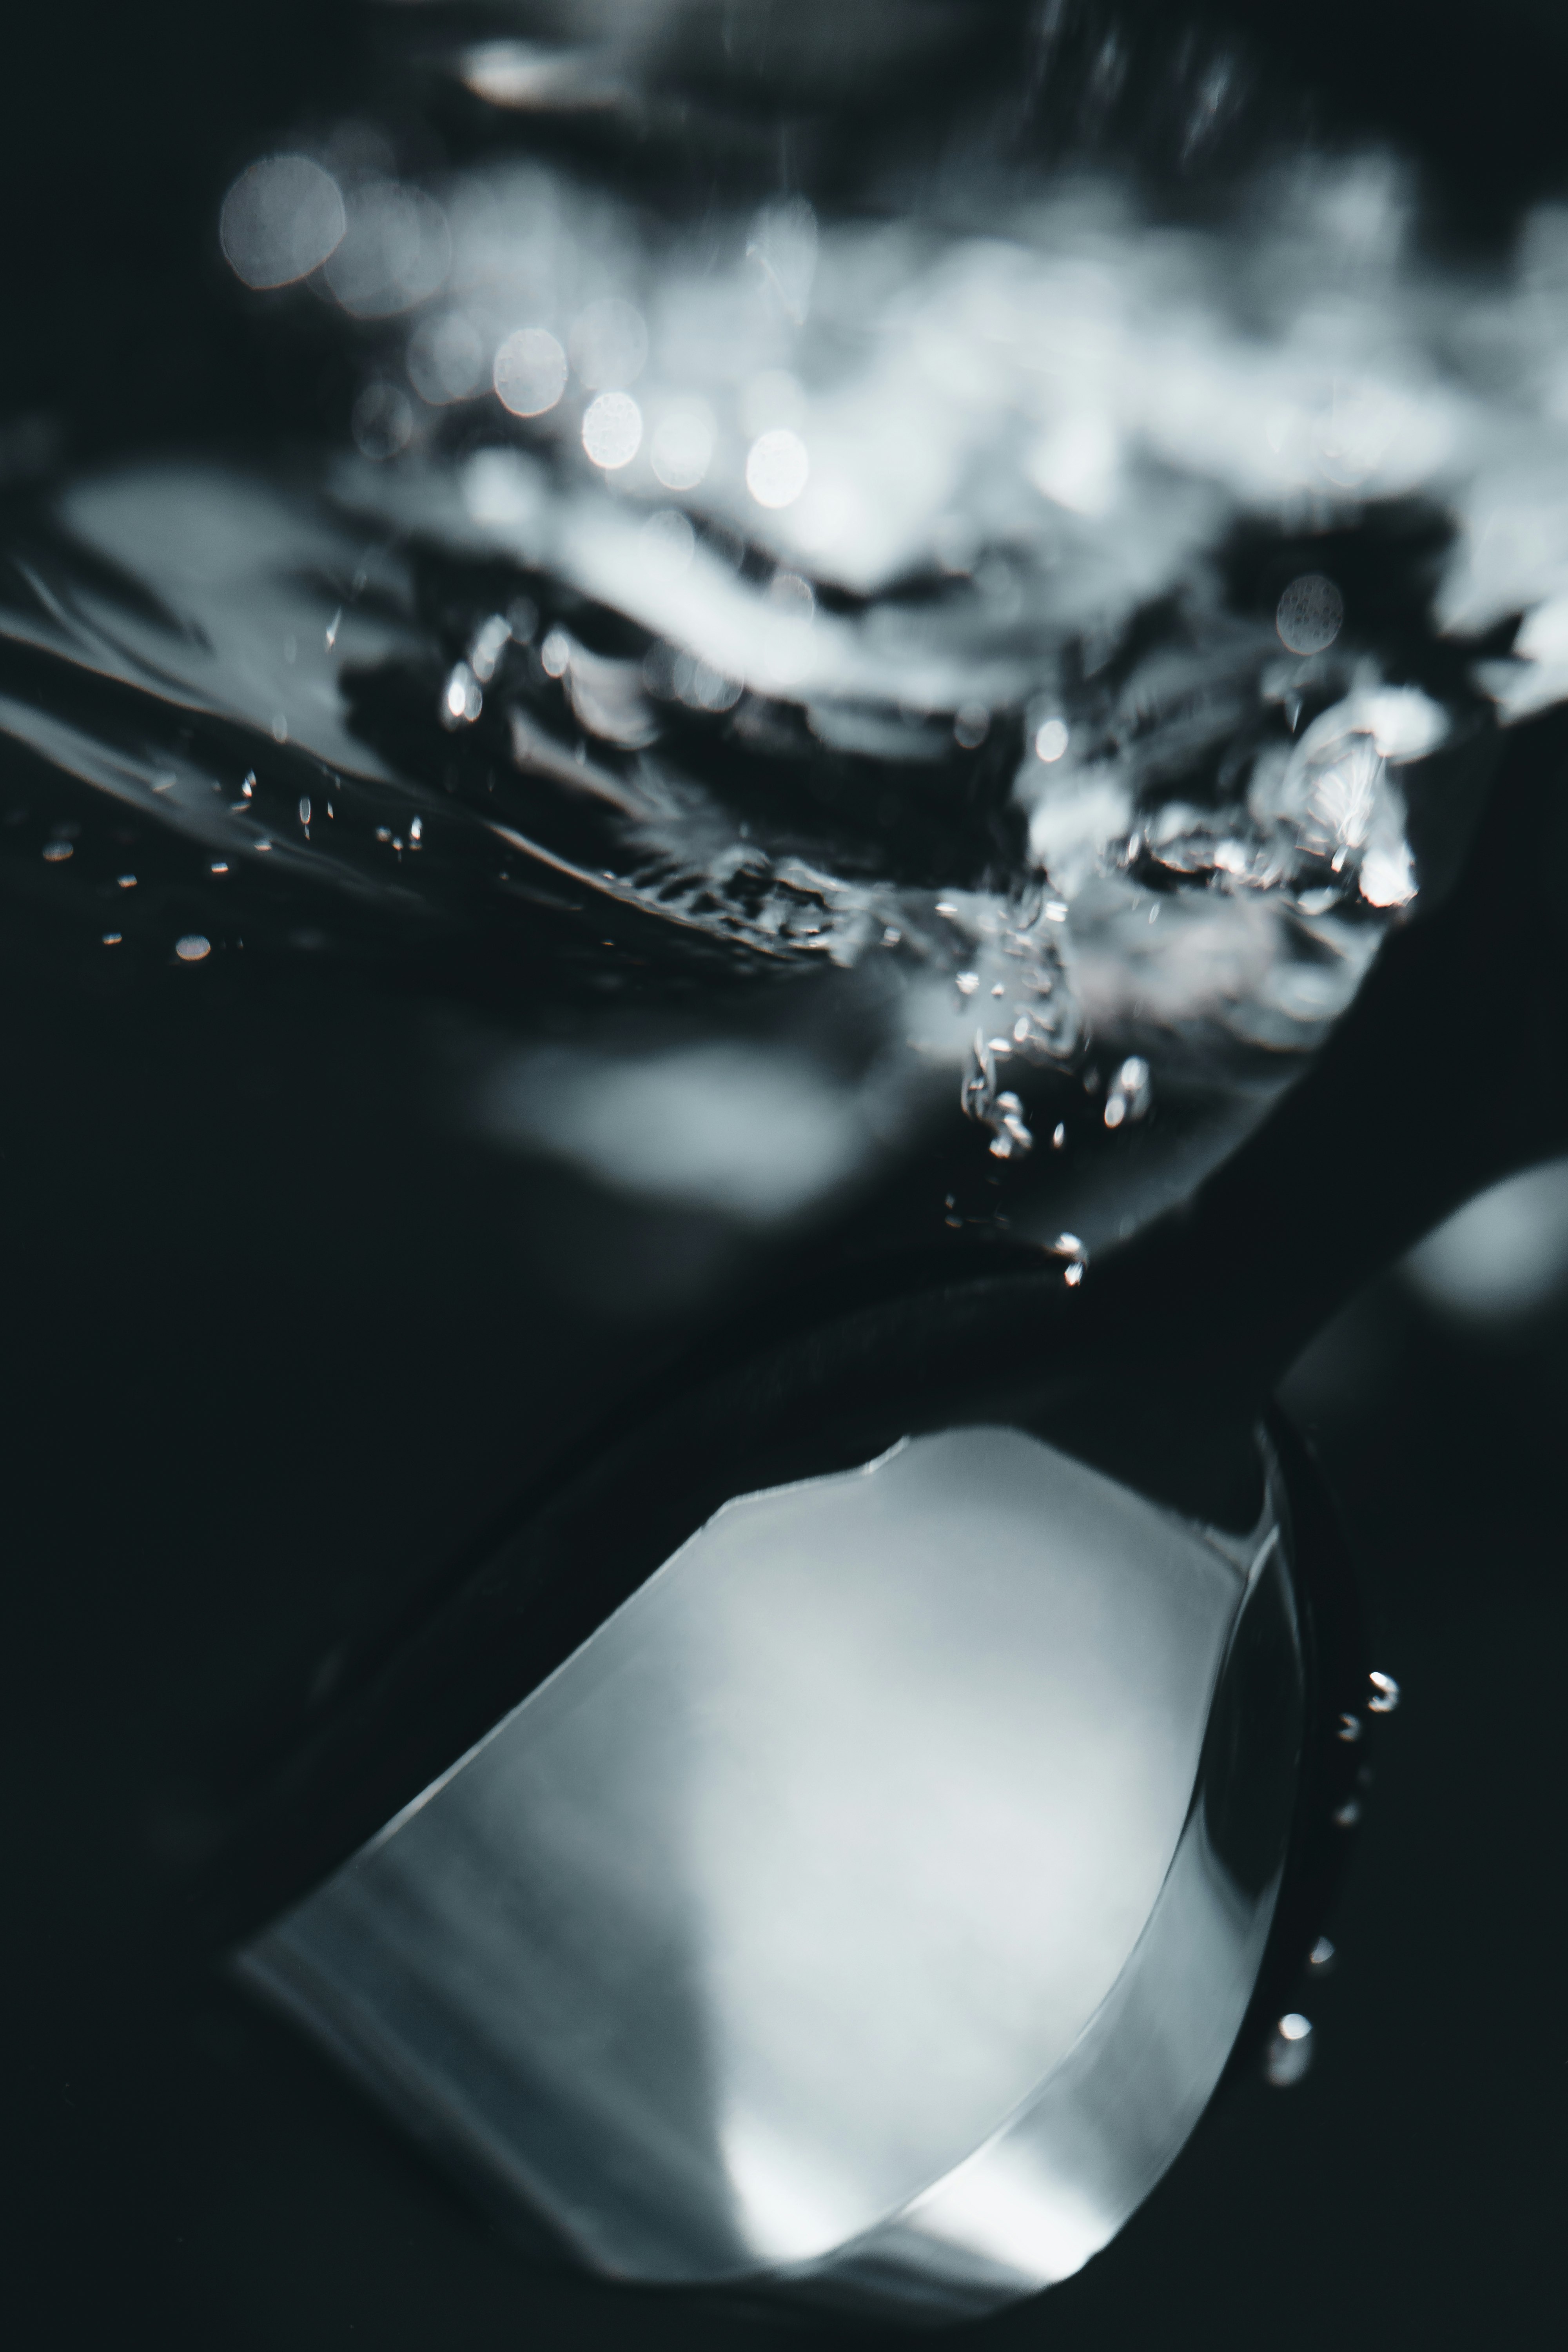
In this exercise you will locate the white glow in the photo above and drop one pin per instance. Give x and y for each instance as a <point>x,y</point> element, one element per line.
<point>669,543</point>
<point>529,373</point>
<point>1050,740</point>
<point>1078,464</point>
<point>280,220</point>
<point>612,430</point>
<point>756,1132</point>
<point>1504,1255</point>
<point>446,358</point>
<point>777,468</point>
<point>682,449</point>
<point>395,251</point>
<point>608,345</point>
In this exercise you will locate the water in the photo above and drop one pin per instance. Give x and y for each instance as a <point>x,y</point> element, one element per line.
<point>1012,642</point>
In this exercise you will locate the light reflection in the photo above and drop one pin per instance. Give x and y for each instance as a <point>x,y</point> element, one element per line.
<point>280,220</point>
<point>776,468</point>
<point>608,345</point>
<point>682,445</point>
<point>446,358</point>
<point>612,430</point>
<point>395,251</point>
<point>1501,1259</point>
<point>842,1898</point>
<point>530,372</point>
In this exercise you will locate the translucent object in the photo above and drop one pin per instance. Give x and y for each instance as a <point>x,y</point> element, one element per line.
<point>867,1909</point>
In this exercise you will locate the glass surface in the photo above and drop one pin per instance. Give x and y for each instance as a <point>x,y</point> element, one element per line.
<point>841,1907</point>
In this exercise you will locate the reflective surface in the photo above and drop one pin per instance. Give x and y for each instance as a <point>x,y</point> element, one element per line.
<point>841,1909</point>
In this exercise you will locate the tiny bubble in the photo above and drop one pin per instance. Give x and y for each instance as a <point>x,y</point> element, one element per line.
<point>112,938</point>
<point>1385,1695</point>
<point>1058,1136</point>
<point>57,852</point>
<point>126,881</point>
<point>1349,1729</point>
<point>1289,2054</point>
<point>1322,1953</point>
<point>1347,1815</point>
<point>192,947</point>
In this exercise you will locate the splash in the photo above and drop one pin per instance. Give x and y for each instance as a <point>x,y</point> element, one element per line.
<point>1065,610</point>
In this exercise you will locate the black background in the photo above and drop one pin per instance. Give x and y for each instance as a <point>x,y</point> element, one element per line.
<point>276,1342</point>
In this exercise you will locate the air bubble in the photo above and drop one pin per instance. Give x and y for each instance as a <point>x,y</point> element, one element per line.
<point>1384,1694</point>
<point>1309,614</point>
<point>1289,2053</point>
<point>192,947</point>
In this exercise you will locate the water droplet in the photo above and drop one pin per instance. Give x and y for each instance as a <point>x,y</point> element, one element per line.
<point>1072,1276</point>
<point>1289,2053</point>
<point>192,947</point>
<point>612,430</point>
<point>1012,1138</point>
<point>417,833</point>
<point>1131,1092</point>
<point>57,852</point>
<point>1347,1815</point>
<point>1309,614</point>
<point>304,808</point>
<point>1051,740</point>
<point>463,698</point>
<point>1058,1136</point>
<point>1321,1955</point>
<point>555,654</point>
<point>1349,1729</point>
<point>1384,1694</point>
<point>777,467</point>
<point>490,640</point>
<point>529,373</point>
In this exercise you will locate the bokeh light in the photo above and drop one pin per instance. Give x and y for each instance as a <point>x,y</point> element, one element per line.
<point>281,219</point>
<point>776,468</point>
<point>612,430</point>
<point>530,373</point>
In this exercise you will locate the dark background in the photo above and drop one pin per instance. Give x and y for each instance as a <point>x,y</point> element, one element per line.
<point>278,1343</point>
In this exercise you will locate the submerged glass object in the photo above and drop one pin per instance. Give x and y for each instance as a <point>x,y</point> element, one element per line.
<point>867,1909</point>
